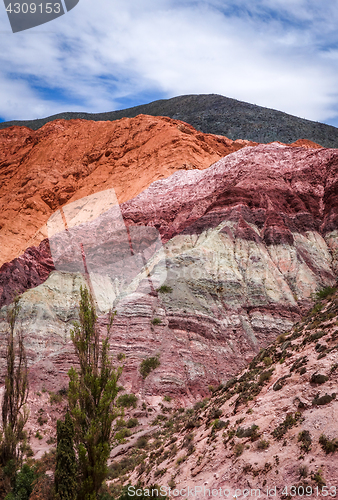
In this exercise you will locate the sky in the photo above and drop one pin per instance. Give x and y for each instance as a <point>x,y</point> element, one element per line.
<point>106,55</point>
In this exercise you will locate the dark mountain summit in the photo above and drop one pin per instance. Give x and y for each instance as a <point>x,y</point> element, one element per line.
<point>216,114</point>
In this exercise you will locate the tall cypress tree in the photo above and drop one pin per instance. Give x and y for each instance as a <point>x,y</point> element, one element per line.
<point>91,396</point>
<point>65,471</point>
<point>14,410</point>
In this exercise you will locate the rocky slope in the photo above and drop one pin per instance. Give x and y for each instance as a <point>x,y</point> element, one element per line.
<point>66,160</point>
<point>244,245</point>
<point>272,427</point>
<point>216,114</point>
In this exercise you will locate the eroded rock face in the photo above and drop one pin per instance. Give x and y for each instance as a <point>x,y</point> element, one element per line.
<point>246,243</point>
<point>67,160</point>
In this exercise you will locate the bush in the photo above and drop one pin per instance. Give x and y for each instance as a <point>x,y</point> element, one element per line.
<point>304,437</point>
<point>142,442</point>
<point>127,400</point>
<point>289,422</point>
<point>238,449</point>
<point>318,378</point>
<point>267,361</point>
<point>220,424</point>
<point>250,432</point>
<point>165,289</point>
<point>148,365</point>
<point>122,434</point>
<point>132,422</point>
<point>325,292</point>
<point>323,400</point>
<point>264,376</point>
<point>23,484</point>
<point>263,444</point>
<point>329,446</point>
<point>156,321</point>
<point>55,398</point>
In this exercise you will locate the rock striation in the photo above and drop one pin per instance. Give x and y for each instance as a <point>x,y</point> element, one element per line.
<point>245,244</point>
<point>270,431</point>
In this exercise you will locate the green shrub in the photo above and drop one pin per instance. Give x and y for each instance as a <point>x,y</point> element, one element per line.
<point>326,292</point>
<point>55,398</point>
<point>238,449</point>
<point>323,400</point>
<point>220,424</point>
<point>122,434</point>
<point>290,421</point>
<point>263,444</point>
<point>132,422</point>
<point>304,437</point>
<point>42,420</point>
<point>317,476</point>
<point>318,378</point>
<point>121,356</point>
<point>267,361</point>
<point>329,446</point>
<point>127,400</point>
<point>23,484</point>
<point>264,376</point>
<point>148,365</point>
<point>142,442</point>
<point>250,432</point>
<point>165,289</point>
<point>156,321</point>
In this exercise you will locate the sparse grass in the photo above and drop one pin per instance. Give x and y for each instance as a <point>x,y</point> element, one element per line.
<point>55,398</point>
<point>318,478</point>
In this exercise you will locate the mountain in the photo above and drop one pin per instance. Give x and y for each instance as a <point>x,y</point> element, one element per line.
<point>216,114</point>
<point>243,246</point>
<point>42,170</point>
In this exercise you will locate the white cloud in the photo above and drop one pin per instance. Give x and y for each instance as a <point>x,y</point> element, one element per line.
<point>271,52</point>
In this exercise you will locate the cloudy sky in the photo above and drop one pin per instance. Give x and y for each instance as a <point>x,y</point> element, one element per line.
<point>112,54</point>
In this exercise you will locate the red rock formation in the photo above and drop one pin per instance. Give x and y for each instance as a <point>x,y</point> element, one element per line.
<point>66,160</point>
<point>244,251</point>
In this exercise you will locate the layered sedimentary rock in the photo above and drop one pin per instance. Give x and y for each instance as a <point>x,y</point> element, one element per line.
<point>245,243</point>
<point>63,161</point>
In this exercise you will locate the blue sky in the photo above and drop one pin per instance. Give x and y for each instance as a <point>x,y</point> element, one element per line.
<point>112,54</point>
